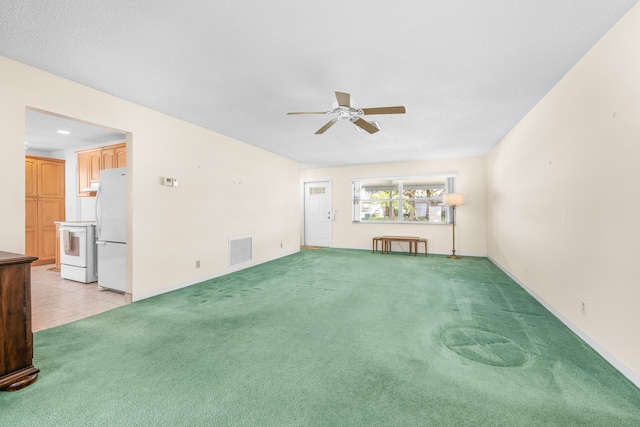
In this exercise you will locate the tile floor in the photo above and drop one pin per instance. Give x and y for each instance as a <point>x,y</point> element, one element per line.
<point>56,301</point>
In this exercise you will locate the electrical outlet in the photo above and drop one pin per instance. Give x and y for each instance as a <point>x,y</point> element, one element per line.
<point>198,264</point>
<point>584,307</point>
<point>281,245</point>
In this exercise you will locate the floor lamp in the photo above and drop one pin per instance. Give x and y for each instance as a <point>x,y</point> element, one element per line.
<point>454,200</point>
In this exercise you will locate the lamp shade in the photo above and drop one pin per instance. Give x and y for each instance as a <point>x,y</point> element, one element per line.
<point>454,199</point>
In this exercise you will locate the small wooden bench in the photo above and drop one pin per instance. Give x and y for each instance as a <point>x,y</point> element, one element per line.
<point>374,244</point>
<point>386,243</point>
<point>415,246</point>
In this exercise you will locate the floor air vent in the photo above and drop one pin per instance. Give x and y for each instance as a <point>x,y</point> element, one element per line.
<point>239,250</point>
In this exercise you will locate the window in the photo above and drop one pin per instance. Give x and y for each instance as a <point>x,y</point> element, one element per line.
<point>404,200</point>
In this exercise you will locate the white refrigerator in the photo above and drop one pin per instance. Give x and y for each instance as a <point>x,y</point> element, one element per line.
<point>111,229</point>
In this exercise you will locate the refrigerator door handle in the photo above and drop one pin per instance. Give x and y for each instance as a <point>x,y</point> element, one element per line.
<point>100,242</point>
<point>98,210</point>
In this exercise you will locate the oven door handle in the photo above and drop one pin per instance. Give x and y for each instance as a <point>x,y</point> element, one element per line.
<point>74,229</point>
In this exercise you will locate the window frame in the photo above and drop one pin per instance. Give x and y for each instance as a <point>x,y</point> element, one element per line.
<point>397,185</point>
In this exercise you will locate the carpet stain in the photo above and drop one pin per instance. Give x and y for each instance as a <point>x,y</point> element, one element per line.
<point>485,347</point>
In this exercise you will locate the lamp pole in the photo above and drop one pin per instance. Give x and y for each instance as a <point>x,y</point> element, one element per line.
<point>453,221</point>
<point>453,200</point>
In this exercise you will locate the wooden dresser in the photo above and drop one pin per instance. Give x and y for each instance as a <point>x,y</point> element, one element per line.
<point>16,339</point>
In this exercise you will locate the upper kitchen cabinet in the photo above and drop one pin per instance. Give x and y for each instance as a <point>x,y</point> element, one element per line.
<point>121,155</point>
<point>92,161</point>
<point>44,205</point>
<point>108,158</point>
<point>89,164</point>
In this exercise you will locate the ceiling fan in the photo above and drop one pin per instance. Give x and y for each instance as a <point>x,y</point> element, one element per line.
<point>344,111</point>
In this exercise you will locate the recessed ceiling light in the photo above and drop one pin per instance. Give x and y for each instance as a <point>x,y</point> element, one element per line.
<point>64,132</point>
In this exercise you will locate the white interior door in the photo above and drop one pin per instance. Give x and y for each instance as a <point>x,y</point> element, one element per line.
<point>317,213</point>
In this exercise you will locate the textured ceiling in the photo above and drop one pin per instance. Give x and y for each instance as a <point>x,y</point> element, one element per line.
<point>466,71</point>
<point>42,133</point>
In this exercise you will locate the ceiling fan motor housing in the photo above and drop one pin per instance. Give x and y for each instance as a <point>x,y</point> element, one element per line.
<point>346,113</point>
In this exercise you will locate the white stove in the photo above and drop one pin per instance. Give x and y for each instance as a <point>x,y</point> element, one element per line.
<point>78,255</point>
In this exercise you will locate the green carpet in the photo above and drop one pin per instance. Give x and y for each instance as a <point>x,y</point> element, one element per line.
<point>327,337</point>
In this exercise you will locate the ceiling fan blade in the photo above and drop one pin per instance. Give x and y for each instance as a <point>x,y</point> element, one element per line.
<point>365,125</point>
<point>308,112</point>
<point>327,126</point>
<point>344,99</point>
<point>384,110</point>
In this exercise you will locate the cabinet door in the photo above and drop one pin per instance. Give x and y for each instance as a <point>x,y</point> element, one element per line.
<point>51,179</point>
<point>95,165</point>
<point>31,177</point>
<point>121,156</point>
<point>31,226</point>
<point>49,211</point>
<point>83,174</point>
<point>108,158</point>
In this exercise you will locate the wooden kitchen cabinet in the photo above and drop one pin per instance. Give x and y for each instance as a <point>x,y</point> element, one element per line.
<point>16,337</point>
<point>92,161</point>
<point>108,156</point>
<point>84,166</point>
<point>95,166</point>
<point>89,166</point>
<point>121,155</point>
<point>44,205</point>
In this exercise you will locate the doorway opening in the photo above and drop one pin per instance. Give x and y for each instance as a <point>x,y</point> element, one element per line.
<point>63,159</point>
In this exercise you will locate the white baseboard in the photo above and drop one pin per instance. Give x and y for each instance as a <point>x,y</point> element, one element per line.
<point>615,362</point>
<point>177,286</point>
<point>419,253</point>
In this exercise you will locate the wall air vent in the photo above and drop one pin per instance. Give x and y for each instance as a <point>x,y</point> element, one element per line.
<point>239,250</point>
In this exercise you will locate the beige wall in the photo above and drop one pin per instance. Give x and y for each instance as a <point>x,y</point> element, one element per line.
<point>563,210</point>
<point>471,222</point>
<point>228,189</point>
